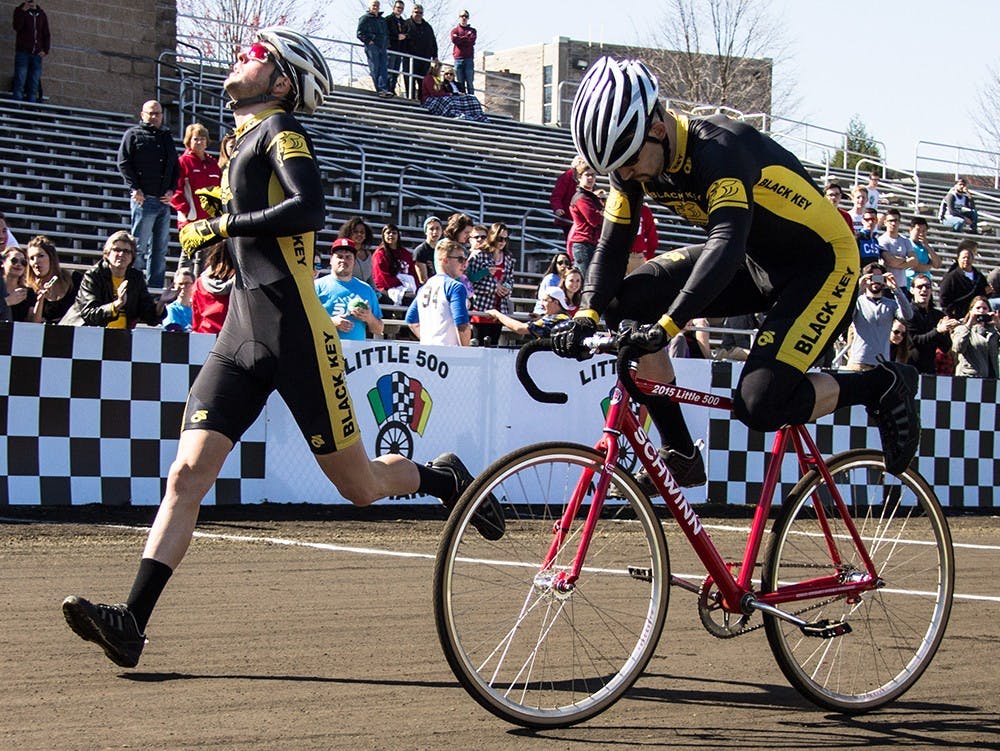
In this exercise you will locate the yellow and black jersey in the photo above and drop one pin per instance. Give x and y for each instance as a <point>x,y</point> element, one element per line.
<point>274,197</point>
<point>758,205</point>
<point>276,336</point>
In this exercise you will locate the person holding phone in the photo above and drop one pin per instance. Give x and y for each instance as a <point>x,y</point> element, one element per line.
<point>976,341</point>
<point>874,314</point>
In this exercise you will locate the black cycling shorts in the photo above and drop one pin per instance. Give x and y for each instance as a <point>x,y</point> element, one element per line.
<point>276,337</point>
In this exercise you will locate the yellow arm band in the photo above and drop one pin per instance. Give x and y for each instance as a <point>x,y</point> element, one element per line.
<point>224,225</point>
<point>668,325</point>
<point>593,315</point>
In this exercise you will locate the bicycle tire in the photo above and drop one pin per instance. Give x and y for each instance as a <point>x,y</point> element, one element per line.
<point>896,629</point>
<point>525,652</point>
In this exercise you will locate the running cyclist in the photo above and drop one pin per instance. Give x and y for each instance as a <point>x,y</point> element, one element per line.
<point>773,245</point>
<point>277,336</point>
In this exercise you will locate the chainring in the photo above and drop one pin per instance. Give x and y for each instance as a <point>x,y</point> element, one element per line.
<point>718,621</point>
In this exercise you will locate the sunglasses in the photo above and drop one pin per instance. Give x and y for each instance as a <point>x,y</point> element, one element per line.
<point>259,52</point>
<point>479,237</point>
<point>17,262</point>
<point>562,263</point>
<point>461,259</point>
<point>921,286</point>
<point>502,238</point>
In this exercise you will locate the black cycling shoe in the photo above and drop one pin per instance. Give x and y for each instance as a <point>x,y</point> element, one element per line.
<point>112,627</point>
<point>687,471</point>
<point>488,519</point>
<point>897,418</point>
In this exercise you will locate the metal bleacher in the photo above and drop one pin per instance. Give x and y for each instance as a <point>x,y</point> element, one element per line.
<point>388,160</point>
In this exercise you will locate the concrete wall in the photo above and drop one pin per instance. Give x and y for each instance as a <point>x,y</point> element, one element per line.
<point>103,51</point>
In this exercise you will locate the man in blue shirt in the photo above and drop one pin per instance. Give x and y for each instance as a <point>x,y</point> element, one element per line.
<point>352,304</point>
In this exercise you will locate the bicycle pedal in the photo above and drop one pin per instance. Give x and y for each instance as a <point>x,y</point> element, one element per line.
<point>826,629</point>
<point>642,574</point>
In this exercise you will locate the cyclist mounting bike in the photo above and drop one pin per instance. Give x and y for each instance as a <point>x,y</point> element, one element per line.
<point>774,245</point>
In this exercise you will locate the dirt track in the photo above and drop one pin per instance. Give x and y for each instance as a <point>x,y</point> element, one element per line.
<point>259,645</point>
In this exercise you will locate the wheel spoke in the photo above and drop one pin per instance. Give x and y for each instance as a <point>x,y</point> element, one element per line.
<point>896,627</point>
<point>532,652</point>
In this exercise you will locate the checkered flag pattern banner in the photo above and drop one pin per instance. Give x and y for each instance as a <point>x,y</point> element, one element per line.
<point>90,415</point>
<point>93,415</point>
<point>959,451</point>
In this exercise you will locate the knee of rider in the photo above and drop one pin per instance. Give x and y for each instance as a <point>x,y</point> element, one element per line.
<point>359,494</point>
<point>759,410</point>
<point>629,305</point>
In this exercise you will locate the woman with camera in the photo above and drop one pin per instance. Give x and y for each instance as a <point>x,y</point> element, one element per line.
<point>976,341</point>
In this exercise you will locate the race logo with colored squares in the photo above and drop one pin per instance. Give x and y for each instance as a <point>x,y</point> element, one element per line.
<point>401,406</point>
<point>627,459</point>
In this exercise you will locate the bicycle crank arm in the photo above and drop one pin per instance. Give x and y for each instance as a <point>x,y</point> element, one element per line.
<point>823,629</point>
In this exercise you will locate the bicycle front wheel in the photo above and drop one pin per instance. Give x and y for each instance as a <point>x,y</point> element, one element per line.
<point>526,651</point>
<point>896,628</point>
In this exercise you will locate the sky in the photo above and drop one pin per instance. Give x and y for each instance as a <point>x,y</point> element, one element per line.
<point>909,68</point>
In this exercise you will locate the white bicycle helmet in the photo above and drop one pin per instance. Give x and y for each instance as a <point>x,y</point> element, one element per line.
<point>303,63</point>
<point>612,111</point>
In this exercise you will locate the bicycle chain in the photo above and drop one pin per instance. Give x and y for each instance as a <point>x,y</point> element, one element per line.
<point>811,606</point>
<point>760,625</point>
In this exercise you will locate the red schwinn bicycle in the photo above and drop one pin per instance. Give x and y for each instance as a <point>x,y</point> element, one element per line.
<point>552,624</point>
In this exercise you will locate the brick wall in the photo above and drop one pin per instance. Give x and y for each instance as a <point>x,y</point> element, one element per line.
<point>103,51</point>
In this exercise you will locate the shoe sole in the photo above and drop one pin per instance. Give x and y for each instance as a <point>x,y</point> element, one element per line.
<point>910,378</point>
<point>79,620</point>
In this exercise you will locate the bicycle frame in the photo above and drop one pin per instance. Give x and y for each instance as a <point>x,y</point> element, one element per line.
<point>738,594</point>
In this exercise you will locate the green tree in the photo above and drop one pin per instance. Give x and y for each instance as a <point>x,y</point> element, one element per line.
<point>859,145</point>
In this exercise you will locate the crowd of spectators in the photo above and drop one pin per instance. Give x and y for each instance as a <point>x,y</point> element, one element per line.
<point>362,279</point>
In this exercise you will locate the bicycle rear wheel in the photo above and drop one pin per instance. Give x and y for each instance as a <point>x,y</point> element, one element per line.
<point>530,654</point>
<point>897,628</point>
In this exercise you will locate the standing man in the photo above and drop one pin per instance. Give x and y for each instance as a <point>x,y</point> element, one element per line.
<point>439,314</point>
<point>352,304</point>
<point>929,328</point>
<point>396,25</point>
<point>147,159</point>
<point>925,257</point>
<point>31,44</point>
<point>868,247</point>
<point>463,37</point>
<point>834,194</point>
<point>374,35</point>
<point>897,250</point>
<point>422,44</point>
<point>277,336</point>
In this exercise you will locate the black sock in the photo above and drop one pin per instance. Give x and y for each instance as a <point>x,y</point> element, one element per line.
<point>149,583</point>
<point>862,388</point>
<point>669,421</point>
<point>439,483</point>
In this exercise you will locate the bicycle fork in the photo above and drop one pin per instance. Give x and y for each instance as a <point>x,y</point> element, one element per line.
<point>564,580</point>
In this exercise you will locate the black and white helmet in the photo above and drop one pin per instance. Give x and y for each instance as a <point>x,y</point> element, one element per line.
<point>303,63</point>
<point>612,111</point>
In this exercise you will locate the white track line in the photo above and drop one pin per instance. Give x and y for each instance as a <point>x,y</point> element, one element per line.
<point>426,556</point>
